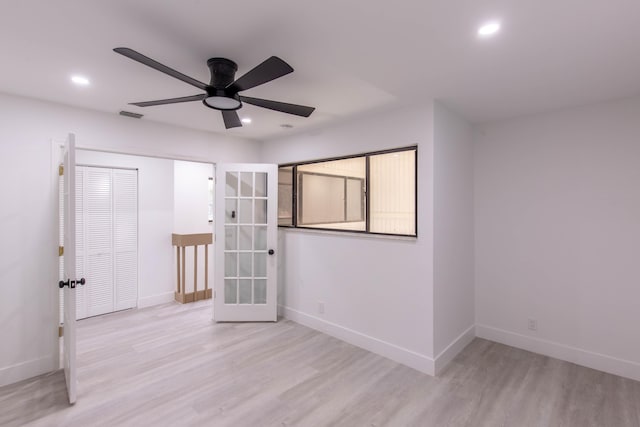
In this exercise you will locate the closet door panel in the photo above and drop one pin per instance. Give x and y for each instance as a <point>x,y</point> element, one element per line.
<point>99,241</point>
<point>125,207</point>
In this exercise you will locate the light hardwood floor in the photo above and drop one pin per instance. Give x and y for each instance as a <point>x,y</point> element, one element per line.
<point>171,366</point>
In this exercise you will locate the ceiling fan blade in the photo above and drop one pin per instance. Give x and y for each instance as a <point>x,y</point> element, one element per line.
<point>270,69</point>
<point>298,110</point>
<point>136,56</point>
<point>170,101</point>
<point>231,119</point>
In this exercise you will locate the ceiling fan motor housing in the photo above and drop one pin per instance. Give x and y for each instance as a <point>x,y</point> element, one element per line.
<point>223,72</point>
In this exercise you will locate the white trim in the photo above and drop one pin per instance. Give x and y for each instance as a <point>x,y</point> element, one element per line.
<point>398,354</point>
<point>24,370</point>
<point>601,362</point>
<point>455,347</point>
<point>155,299</point>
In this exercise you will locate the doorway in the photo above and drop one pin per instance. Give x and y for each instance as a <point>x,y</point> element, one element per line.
<point>170,196</point>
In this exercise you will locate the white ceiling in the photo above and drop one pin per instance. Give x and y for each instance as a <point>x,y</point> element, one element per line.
<point>349,56</point>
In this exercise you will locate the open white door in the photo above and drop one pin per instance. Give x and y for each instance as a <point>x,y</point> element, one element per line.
<point>245,280</point>
<point>69,283</point>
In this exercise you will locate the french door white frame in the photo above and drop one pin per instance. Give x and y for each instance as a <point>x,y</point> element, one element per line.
<point>246,221</point>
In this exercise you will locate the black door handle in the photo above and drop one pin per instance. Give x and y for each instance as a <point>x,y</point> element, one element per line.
<point>71,283</point>
<point>271,252</point>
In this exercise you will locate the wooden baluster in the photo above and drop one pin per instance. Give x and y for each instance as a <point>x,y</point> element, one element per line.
<point>195,272</point>
<point>178,263</point>
<point>206,271</point>
<point>184,264</point>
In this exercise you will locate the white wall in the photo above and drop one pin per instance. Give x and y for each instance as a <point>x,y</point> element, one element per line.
<point>28,257</point>
<point>156,277</point>
<point>454,298</point>
<point>190,207</point>
<point>557,218</point>
<point>378,292</point>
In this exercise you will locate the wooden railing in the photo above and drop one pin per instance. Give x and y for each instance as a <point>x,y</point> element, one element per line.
<point>181,241</point>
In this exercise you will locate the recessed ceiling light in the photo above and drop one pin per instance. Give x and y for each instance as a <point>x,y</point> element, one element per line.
<point>246,120</point>
<point>489,29</point>
<point>80,80</point>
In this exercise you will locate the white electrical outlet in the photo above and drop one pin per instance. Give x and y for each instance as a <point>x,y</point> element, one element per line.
<point>320,307</point>
<point>532,324</point>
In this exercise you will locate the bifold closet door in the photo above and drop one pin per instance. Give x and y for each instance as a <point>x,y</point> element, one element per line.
<point>107,244</point>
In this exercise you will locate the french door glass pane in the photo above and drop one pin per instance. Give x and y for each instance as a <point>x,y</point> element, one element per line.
<point>231,238</point>
<point>245,238</point>
<point>259,291</point>
<point>231,264</point>
<point>246,211</point>
<point>260,212</point>
<point>232,184</point>
<point>231,211</point>
<point>260,238</point>
<point>245,291</point>
<point>260,264</point>
<point>245,264</point>
<point>261,184</point>
<point>230,291</point>
<point>246,184</point>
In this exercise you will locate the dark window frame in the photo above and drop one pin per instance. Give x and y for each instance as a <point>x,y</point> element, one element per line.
<point>367,207</point>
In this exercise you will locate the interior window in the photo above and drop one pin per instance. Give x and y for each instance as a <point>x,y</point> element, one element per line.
<point>370,193</point>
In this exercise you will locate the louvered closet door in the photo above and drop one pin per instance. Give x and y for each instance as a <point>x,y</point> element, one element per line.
<point>125,238</point>
<point>99,241</point>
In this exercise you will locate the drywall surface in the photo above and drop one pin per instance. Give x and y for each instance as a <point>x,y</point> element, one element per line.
<point>28,212</point>
<point>454,296</point>
<point>557,220</point>
<point>377,292</point>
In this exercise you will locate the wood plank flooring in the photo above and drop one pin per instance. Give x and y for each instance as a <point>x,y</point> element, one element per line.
<point>172,366</point>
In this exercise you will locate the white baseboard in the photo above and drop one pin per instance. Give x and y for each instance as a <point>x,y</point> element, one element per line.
<point>155,299</point>
<point>601,362</point>
<point>454,348</point>
<point>23,370</point>
<point>398,354</point>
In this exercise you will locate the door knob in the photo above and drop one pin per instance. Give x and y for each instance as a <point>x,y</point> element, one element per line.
<point>271,252</point>
<point>71,283</point>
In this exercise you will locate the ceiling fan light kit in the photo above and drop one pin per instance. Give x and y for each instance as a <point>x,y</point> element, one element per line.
<point>222,91</point>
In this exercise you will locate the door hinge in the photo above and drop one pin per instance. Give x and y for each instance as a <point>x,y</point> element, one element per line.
<point>60,331</point>
<point>61,170</point>
<point>214,294</point>
<point>60,250</point>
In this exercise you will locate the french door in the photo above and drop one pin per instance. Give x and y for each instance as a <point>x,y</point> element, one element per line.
<point>245,280</point>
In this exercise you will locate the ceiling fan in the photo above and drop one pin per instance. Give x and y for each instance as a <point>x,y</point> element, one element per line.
<point>222,92</point>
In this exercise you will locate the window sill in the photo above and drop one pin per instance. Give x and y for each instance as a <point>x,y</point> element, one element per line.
<point>348,234</point>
